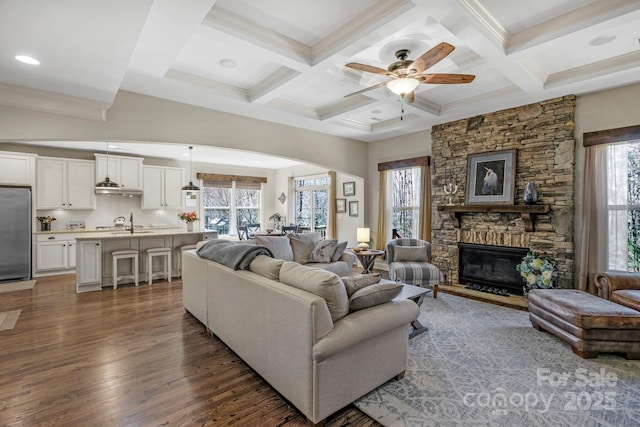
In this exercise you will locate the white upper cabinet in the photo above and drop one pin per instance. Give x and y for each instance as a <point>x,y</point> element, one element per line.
<point>17,168</point>
<point>65,184</point>
<point>124,171</point>
<point>162,187</point>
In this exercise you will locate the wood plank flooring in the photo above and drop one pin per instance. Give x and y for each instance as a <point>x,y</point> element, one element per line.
<point>129,357</point>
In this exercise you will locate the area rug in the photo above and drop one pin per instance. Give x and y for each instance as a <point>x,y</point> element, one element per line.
<point>484,365</point>
<point>8,319</point>
<point>17,286</point>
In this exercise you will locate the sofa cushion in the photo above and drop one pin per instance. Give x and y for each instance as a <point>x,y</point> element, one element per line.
<point>266,266</point>
<point>323,251</point>
<point>410,254</point>
<point>355,283</point>
<point>341,268</point>
<point>279,246</point>
<point>319,282</point>
<point>302,245</point>
<point>339,251</point>
<point>370,296</point>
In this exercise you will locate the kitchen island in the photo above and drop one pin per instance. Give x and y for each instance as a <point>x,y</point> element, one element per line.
<point>93,253</point>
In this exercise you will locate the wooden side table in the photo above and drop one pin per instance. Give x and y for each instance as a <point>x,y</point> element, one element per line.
<point>367,259</point>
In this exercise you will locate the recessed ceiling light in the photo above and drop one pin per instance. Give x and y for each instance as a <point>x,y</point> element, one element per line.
<point>600,40</point>
<point>27,59</point>
<point>227,63</point>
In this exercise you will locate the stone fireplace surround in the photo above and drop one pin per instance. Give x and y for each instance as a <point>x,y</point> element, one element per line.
<point>542,134</point>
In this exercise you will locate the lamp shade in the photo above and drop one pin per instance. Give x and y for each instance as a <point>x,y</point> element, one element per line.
<point>403,86</point>
<point>363,235</point>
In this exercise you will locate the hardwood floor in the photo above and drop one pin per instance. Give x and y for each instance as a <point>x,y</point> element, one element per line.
<point>130,357</point>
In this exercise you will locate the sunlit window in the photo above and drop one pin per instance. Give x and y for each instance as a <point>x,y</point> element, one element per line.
<point>230,204</point>
<point>404,200</point>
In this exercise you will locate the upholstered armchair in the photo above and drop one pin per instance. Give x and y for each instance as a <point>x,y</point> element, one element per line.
<point>410,261</point>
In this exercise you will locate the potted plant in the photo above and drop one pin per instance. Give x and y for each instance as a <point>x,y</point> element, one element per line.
<point>189,218</point>
<point>277,220</point>
<point>45,222</point>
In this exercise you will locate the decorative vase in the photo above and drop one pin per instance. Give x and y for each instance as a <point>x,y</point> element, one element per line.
<point>45,226</point>
<point>189,226</point>
<point>530,194</point>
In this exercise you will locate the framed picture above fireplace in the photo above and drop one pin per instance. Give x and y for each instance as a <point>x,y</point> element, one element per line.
<point>491,178</point>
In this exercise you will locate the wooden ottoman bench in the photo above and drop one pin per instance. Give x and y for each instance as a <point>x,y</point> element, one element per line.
<point>590,324</point>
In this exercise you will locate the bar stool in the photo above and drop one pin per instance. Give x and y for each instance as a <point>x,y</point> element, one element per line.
<point>131,254</point>
<point>162,252</point>
<point>183,248</point>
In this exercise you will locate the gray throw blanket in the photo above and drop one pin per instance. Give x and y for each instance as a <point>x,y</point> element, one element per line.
<point>234,255</point>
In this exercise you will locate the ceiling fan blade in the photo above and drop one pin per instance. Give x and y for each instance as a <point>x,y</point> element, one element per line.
<point>367,89</point>
<point>445,79</point>
<point>370,69</point>
<point>430,58</point>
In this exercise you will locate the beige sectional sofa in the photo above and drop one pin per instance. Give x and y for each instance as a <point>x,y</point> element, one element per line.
<point>312,349</point>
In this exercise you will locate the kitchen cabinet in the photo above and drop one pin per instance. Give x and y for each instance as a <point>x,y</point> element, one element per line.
<point>55,252</point>
<point>162,187</point>
<point>89,271</point>
<point>124,171</point>
<point>65,184</point>
<point>17,168</point>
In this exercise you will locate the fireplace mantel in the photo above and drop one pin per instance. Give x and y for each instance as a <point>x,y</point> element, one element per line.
<point>527,212</point>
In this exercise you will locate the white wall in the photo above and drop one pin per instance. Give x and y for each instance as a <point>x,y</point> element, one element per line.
<point>135,117</point>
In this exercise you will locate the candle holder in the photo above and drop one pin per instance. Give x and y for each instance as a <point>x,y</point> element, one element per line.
<point>450,190</point>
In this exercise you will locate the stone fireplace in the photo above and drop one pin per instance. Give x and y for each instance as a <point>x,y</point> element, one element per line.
<point>542,135</point>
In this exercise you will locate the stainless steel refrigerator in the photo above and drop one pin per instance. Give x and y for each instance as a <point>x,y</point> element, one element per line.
<point>15,233</point>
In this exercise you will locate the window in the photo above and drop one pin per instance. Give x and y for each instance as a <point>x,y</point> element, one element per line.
<point>229,204</point>
<point>404,200</point>
<point>312,203</point>
<point>623,206</point>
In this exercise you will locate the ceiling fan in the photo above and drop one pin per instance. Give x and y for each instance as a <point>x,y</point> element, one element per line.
<point>406,74</point>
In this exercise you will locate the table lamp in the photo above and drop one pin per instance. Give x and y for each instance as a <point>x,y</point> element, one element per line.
<point>363,235</point>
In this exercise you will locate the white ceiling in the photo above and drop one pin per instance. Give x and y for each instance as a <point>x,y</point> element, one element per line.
<point>289,55</point>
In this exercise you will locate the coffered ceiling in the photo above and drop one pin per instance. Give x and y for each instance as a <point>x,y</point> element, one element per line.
<point>284,60</point>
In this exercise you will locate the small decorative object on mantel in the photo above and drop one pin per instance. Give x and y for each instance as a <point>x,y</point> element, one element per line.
<point>530,193</point>
<point>45,222</point>
<point>189,218</point>
<point>538,272</point>
<point>450,187</point>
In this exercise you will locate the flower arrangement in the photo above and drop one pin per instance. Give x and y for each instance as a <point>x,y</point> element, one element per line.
<point>188,216</point>
<point>539,272</point>
<point>46,219</point>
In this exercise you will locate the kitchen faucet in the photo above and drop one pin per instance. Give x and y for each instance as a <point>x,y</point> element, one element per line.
<point>131,220</point>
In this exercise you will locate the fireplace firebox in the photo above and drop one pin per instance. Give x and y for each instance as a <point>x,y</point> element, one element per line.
<point>489,265</point>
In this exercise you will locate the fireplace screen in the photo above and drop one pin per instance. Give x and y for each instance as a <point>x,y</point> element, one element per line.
<point>489,265</point>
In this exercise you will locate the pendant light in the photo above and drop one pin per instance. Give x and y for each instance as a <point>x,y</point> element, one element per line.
<point>190,187</point>
<point>107,186</point>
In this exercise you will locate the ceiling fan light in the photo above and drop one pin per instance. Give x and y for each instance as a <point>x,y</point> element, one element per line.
<point>403,86</point>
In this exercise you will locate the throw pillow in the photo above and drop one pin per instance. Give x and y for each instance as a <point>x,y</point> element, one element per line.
<point>302,245</point>
<point>319,282</point>
<point>339,251</point>
<point>279,246</point>
<point>266,266</point>
<point>370,296</point>
<point>410,254</point>
<point>323,251</point>
<point>355,283</point>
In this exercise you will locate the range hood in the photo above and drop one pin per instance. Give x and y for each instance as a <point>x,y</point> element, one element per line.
<point>117,191</point>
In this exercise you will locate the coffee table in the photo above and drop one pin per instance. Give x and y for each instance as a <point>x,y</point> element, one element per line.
<point>415,294</point>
